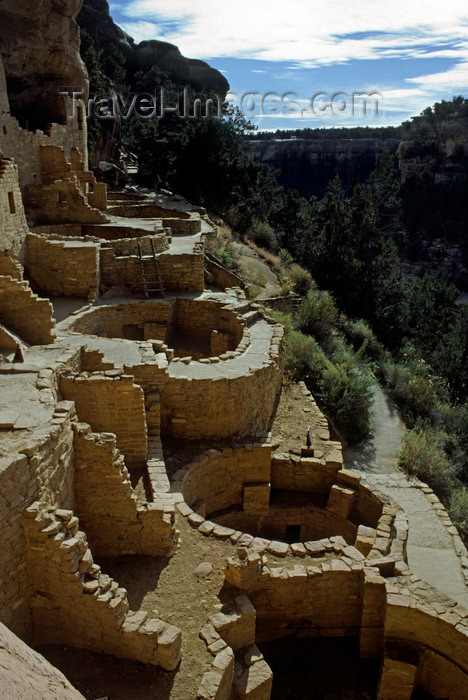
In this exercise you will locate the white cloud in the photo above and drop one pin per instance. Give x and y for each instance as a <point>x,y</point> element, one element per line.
<point>403,102</point>
<point>455,78</point>
<point>309,32</point>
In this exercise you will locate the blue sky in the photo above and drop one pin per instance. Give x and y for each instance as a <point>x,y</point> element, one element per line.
<point>317,60</point>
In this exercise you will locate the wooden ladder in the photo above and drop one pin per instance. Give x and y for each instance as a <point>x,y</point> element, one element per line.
<point>150,272</point>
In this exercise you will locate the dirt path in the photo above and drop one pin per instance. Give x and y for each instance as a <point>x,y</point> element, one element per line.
<point>378,453</point>
<point>431,552</point>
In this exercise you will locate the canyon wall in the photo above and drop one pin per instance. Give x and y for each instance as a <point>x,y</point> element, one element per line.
<point>308,165</point>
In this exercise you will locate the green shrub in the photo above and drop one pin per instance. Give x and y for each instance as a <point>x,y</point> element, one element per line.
<point>345,393</point>
<point>422,455</point>
<point>285,257</point>
<point>458,510</point>
<point>317,314</point>
<point>238,217</point>
<point>414,394</point>
<point>454,421</point>
<point>303,357</point>
<point>359,333</point>
<point>263,235</point>
<point>227,258</point>
<point>342,389</point>
<point>301,279</point>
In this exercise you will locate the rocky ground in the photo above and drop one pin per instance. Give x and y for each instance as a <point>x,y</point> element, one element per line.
<point>262,278</point>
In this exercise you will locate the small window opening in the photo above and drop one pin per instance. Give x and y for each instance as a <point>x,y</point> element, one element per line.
<point>11,202</point>
<point>292,534</point>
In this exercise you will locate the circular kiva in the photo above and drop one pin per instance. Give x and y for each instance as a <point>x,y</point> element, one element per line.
<point>286,505</point>
<point>195,328</point>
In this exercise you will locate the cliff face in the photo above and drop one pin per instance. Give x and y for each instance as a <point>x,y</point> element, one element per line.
<point>39,44</point>
<point>96,19</point>
<point>433,159</point>
<point>309,165</point>
<point>440,156</point>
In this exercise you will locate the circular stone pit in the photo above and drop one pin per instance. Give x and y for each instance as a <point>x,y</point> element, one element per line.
<point>287,507</point>
<point>196,328</point>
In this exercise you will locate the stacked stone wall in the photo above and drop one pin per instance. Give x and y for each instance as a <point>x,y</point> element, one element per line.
<point>111,402</point>
<point>24,313</point>
<point>111,321</point>
<point>42,471</point>
<point>13,225</point>
<point>219,327</point>
<point>198,319</point>
<point>75,604</point>
<point>63,269</point>
<point>220,407</point>
<point>10,268</point>
<point>217,478</point>
<point>25,146</point>
<point>181,273</point>
<point>115,523</point>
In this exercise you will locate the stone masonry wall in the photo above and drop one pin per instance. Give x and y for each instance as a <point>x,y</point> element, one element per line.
<point>43,471</point>
<point>13,225</point>
<point>440,638</point>
<point>62,268</point>
<point>197,319</point>
<point>24,313</point>
<point>111,321</point>
<point>123,247</point>
<point>60,202</point>
<point>115,523</point>
<point>167,321</point>
<point>181,273</point>
<point>9,267</point>
<point>212,408</point>
<point>217,479</point>
<point>112,403</point>
<point>331,600</point>
<point>246,503</point>
<point>75,604</point>
<point>215,407</point>
<point>24,146</point>
<point>152,211</point>
<point>310,474</point>
<point>314,523</point>
<point>122,235</point>
<point>219,407</point>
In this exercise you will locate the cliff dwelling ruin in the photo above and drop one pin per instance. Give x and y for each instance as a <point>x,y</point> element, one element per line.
<point>144,512</point>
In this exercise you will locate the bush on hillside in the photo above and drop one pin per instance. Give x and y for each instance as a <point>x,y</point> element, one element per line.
<point>303,357</point>
<point>342,390</point>
<point>458,510</point>
<point>301,279</point>
<point>285,257</point>
<point>345,394</point>
<point>359,333</point>
<point>263,235</point>
<point>317,314</point>
<point>422,455</point>
<point>414,394</point>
